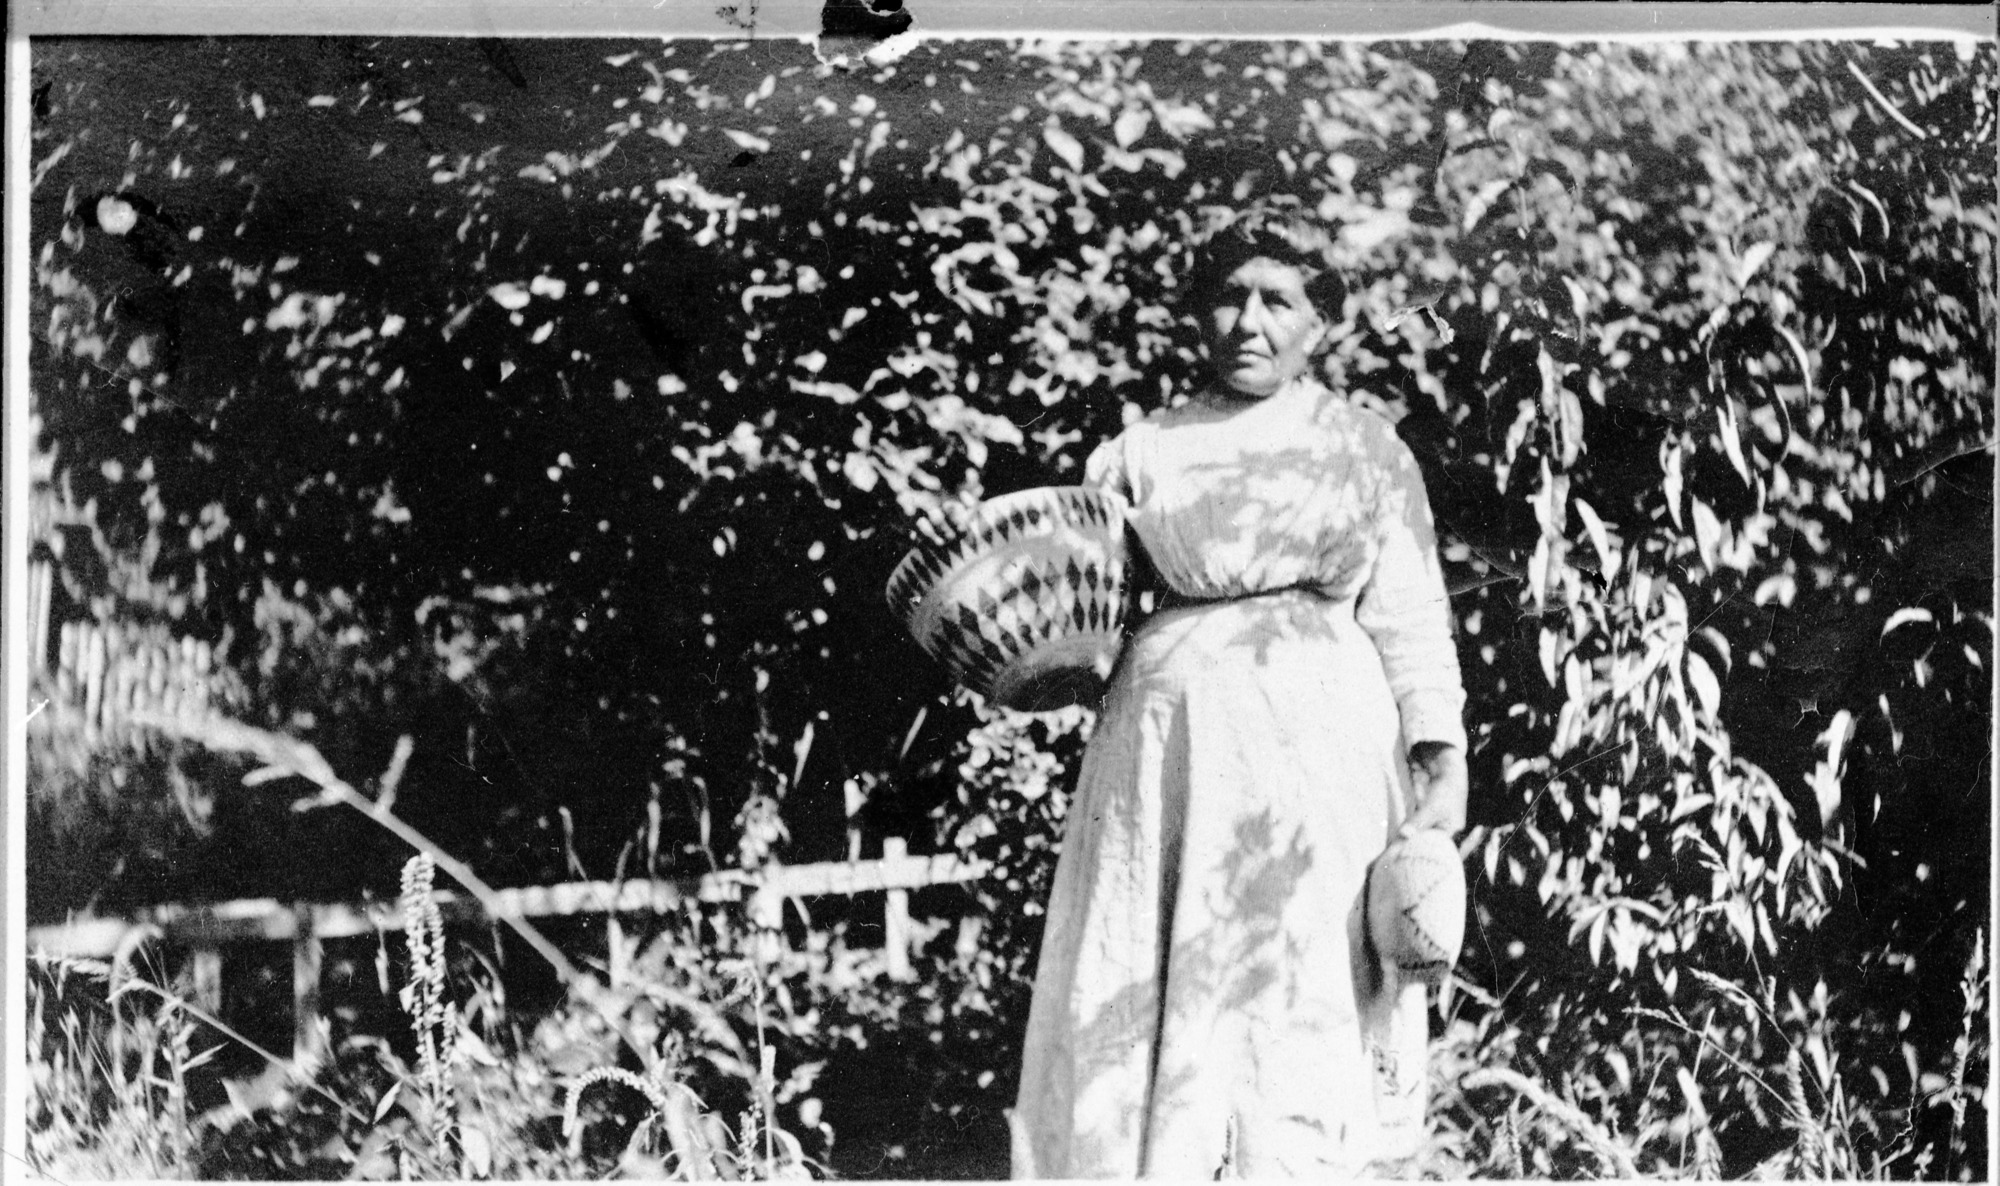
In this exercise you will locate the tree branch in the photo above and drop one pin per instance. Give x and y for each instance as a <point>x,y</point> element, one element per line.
<point>1909,469</point>
<point>1467,585</point>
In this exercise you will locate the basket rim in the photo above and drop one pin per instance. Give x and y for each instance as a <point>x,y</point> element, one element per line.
<point>940,554</point>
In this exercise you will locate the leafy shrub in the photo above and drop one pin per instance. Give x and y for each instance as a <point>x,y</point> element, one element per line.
<point>1694,343</point>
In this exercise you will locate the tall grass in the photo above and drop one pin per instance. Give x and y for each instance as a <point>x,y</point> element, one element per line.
<point>114,1060</point>
<point>1498,1112</point>
<point>704,1014</point>
<point>118,1059</point>
<point>109,1088</point>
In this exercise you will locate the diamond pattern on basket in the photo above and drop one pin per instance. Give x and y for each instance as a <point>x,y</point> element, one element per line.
<point>1032,589</point>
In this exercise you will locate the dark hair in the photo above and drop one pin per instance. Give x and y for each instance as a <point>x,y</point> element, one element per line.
<point>1280,232</point>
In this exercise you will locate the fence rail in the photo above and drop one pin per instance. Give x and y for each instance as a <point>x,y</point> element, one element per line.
<point>130,680</point>
<point>205,930</point>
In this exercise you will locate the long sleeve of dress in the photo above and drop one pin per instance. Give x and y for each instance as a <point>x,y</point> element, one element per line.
<point>1406,611</point>
<point>1105,469</point>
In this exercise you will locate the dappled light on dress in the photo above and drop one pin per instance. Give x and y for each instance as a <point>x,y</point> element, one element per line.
<point>1203,993</point>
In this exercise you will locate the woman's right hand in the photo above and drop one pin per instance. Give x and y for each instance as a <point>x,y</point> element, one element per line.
<point>1438,770</point>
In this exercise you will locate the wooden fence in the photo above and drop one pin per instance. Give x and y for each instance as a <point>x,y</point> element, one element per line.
<point>205,931</point>
<point>113,669</point>
<point>129,681</point>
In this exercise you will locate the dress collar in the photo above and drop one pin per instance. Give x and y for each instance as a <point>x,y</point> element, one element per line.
<point>1302,390</point>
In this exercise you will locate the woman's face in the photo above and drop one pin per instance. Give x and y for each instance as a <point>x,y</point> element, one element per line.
<point>1261,327</point>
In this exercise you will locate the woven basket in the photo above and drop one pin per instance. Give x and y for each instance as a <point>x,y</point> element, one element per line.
<point>1026,605</point>
<point>1416,906</point>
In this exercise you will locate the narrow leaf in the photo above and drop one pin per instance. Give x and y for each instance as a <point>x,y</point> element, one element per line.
<point>1672,486</point>
<point>1599,538</point>
<point>388,1100</point>
<point>1707,689</point>
<point>1753,260</point>
<point>1707,534</point>
<point>1904,616</point>
<point>1732,441</point>
<point>1065,146</point>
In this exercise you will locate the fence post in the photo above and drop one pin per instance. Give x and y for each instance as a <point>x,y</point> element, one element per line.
<point>68,663</point>
<point>92,646</point>
<point>767,916</point>
<point>970,927</point>
<point>41,588</point>
<point>306,952</point>
<point>205,968</point>
<point>117,704</point>
<point>617,966</point>
<point>896,915</point>
<point>853,801</point>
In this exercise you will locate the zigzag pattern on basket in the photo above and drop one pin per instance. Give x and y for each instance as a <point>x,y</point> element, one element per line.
<point>1035,584</point>
<point>1416,905</point>
<point>1032,607</point>
<point>1028,513</point>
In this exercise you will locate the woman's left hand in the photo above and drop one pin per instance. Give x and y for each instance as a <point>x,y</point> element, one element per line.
<point>1438,770</point>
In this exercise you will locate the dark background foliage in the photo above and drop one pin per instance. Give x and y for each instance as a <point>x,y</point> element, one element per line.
<point>564,405</point>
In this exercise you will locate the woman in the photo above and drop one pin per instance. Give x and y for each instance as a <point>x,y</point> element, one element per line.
<point>1206,999</point>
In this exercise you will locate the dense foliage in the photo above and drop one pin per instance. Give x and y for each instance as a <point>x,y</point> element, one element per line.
<point>563,406</point>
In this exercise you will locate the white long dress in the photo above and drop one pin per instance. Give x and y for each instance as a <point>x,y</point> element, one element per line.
<point>1203,1001</point>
